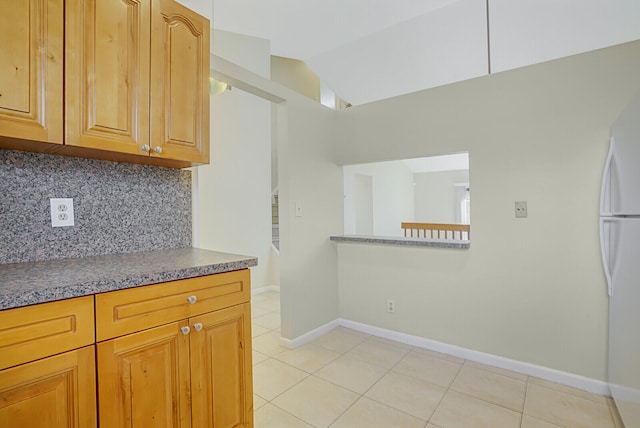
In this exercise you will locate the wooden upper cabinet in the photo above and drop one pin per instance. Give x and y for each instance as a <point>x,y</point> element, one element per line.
<point>107,74</point>
<point>31,65</point>
<point>137,78</point>
<point>179,83</point>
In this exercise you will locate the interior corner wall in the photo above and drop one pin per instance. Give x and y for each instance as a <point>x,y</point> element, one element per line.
<point>248,52</point>
<point>296,75</point>
<point>232,195</point>
<point>435,195</point>
<point>310,178</point>
<point>529,289</point>
<point>393,198</point>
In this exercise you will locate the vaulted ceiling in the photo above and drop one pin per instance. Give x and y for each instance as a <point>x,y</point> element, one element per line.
<point>367,50</point>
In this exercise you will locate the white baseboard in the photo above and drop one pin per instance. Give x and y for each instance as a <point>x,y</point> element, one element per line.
<point>576,381</point>
<point>552,375</point>
<point>256,291</point>
<point>309,336</point>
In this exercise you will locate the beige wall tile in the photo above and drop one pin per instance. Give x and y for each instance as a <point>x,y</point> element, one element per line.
<point>617,420</point>
<point>531,422</point>
<point>339,340</point>
<point>459,410</point>
<point>440,355</point>
<point>270,320</point>
<point>492,387</point>
<point>258,357</point>
<point>378,353</point>
<point>258,402</point>
<point>268,344</point>
<point>271,378</point>
<point>565,409</point>
<point>569,390</point>
<point>413,396</point>
<point>503,372</point>
<point>270,416</point>
<point>425,367</point>
<point>351,373</point>
<point>316,401</point>
<point>258,330</point>
<point>309,358</point>
<point>367,413</point>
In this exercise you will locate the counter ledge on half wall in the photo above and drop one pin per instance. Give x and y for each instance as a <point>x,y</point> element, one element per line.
<point>23,284</point>
<point>403,242</point>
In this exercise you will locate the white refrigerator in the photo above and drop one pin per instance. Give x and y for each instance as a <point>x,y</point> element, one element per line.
<point>620,242</point>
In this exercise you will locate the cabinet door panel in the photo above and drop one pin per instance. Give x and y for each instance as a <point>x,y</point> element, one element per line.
<point>180,82</point>
<point>221,368</point>
<point>55,392</point>
<point>143,379</point>
<point>31,64</point>
<point>108,74</point>
<point>38,331</point>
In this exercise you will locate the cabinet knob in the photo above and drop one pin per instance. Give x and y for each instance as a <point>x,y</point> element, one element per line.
<point>157,149</point>
<point>145,148</point>
<point>197,326</point>
<point>185,330</point>
<point>192,299</point>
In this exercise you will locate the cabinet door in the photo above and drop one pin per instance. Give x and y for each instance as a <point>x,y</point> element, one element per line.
<point>107,74</point>
<point>180,83</point>
<point>56,392</point>
<point>31,64</point>
<point>221,375</point>
<point>143,379</point>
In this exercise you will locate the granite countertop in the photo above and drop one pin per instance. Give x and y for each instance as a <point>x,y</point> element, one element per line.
<point>23,284</point>
<point>401,241</point>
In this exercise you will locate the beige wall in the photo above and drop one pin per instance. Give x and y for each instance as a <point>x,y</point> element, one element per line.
<point>309,176</point>
<point>232,195</point>
<point>295,75</point>
<point>435,195</point>
<point>528,289</point>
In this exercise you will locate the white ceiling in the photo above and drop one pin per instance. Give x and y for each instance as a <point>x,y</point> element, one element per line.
<point>367,50</point>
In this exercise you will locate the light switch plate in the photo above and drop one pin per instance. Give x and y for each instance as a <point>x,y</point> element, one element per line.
<point>521,209</point>
<point>62,212</point>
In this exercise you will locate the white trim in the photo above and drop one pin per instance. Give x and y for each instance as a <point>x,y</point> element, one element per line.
<point>309,336</point>
<point>593,386</point>
<point>576,381</point>
<point>256,291</point>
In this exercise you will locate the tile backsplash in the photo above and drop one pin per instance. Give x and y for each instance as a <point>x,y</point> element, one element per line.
<point>119,207</point>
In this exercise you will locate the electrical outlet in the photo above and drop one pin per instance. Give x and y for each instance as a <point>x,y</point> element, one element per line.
<point>521,209</point>
<point>391,306</point>
<point>62,212</point>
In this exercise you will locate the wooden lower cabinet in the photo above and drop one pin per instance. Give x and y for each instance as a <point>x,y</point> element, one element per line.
<point>143,379</point>
<point>191,373</point>
<point>54,392</point>
<point>221,377</point>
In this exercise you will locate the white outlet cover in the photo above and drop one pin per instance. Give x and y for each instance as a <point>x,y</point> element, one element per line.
<point>62,212</point>
<point>521,209</point>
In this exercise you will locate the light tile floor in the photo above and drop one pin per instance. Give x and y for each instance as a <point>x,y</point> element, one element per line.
<point>349,379</point>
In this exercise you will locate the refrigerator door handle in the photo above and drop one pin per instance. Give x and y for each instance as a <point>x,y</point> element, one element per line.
<point>604,245</point>
<point>605,189</point>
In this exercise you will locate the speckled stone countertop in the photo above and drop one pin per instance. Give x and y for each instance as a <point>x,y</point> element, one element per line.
<point>400,241</point>
<point>23,284</point>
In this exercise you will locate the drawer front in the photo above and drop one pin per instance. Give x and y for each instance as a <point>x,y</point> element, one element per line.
<point>38,331</point>
<point>127,311</point>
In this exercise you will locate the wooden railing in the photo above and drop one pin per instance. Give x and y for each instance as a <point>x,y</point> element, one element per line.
<point>437,231</point>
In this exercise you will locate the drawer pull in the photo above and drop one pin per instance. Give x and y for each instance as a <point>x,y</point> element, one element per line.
<point>185,330</point>
<point>192,299</point>
<point>197,326</point>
